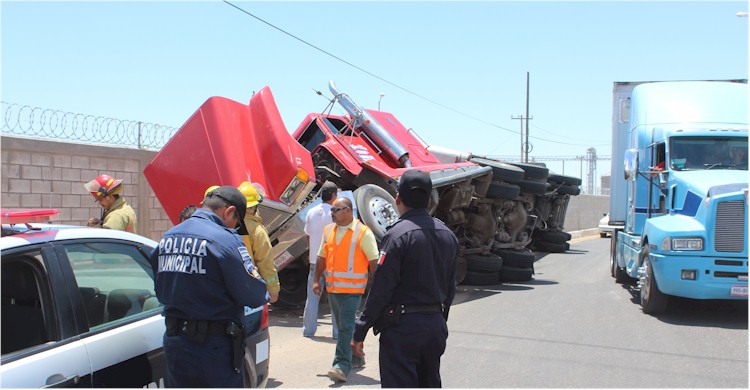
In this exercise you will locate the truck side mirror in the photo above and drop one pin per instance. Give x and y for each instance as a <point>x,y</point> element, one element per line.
<point>631,164</point>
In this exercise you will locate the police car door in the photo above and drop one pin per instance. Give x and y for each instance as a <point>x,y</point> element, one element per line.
<point>124,328</point>
<point>40,347</point>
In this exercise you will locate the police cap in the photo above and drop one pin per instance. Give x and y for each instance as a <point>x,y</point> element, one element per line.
<point>415,187</point>
<point>235,198</point>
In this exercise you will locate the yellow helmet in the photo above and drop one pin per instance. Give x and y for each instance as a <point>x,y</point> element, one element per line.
<point>209,189</point>
<point>251,193</point>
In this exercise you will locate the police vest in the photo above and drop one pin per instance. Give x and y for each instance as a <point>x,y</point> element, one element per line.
<point>346,263</point>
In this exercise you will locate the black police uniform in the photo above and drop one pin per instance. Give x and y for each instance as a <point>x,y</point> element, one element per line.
<point>204,278</point>
<point>412,290</point>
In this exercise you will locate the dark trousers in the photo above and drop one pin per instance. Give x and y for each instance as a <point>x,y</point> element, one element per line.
<point>410,351</point>
<point>208,364</point>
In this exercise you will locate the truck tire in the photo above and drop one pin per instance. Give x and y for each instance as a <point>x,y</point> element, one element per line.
<point>499,190</point>
<point>293,283</point>
<point>554,236</point>
<point>474,278</point>
<point>532,187</point>
<point>377,208</point>
<point>653,301</point>
<point>523,258</point>
<point>532,172</point>
<point>484,263</point>
<point>565,189</point>
<point>550,247</point>
<point>460,270</point>
<point>516,274</point>
<point>500,171</point>
<point>573,181</point>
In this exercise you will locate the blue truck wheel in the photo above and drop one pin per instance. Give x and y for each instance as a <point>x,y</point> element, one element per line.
<point>653,301</point>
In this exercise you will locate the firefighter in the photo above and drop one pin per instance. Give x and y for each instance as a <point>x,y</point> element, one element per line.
<point>257,241</point>
<point>116,212</point>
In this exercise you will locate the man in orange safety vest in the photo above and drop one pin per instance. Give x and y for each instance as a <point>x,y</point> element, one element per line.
<point>347,255</point>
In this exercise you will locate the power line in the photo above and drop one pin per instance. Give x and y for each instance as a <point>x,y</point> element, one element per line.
<point>368,72</point>
<point>389,82</point>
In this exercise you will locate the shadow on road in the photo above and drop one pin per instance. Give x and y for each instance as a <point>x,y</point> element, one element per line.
<point>728,314</point>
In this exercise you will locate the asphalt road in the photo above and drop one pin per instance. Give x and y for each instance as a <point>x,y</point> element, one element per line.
<point>572,326</point>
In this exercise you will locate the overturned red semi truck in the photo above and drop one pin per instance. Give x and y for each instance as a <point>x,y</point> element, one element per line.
<point>493,207</point>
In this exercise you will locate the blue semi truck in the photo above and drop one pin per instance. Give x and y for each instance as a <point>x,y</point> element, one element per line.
<point>679,189</point>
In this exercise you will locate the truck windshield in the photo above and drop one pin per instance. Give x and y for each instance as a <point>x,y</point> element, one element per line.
<point>700,153</point>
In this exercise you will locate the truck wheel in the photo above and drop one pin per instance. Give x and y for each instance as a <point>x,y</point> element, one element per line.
<point>516,274</point>
<point>653,301</point>
<point>558,237</point>
<point>377,208</point>
<point>499,190</point>
<point>566,189</point>
<point>500,170</point>
<point>533,172</point>
<point>532,187</point>
<point>550,247</point>
<point>573,181</point>
<point>523,258</point>
<point>460,270</point>
<point>484,263</point>
<point>480,278</point>
<point>293,283</point>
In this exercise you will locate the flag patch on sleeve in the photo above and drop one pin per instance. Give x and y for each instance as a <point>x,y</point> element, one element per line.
<point>381,258</point>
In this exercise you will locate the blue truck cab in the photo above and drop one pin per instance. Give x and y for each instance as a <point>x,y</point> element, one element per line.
<point>679,190</point>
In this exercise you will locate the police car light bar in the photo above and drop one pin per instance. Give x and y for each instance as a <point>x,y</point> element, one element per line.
<point>26,216</point>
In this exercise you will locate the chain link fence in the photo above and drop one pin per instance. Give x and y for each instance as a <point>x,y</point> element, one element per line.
<point>55,124</point>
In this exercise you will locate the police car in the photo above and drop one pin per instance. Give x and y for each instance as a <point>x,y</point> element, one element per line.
<point>79,309</point>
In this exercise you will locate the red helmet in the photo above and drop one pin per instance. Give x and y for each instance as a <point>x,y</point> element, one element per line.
<point>103,185</point>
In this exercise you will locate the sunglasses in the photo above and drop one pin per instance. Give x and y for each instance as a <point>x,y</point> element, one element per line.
<point>337,209</point>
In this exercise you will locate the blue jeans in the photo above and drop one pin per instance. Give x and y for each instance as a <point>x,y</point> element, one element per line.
<point>344,307</point>
<point>310,316</point>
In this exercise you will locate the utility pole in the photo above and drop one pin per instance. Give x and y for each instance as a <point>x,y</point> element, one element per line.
<point>526,149</point>
<point>520,117</point>
<point>525,146</point>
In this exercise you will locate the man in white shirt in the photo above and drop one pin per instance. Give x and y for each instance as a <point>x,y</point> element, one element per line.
<point>317,218</point>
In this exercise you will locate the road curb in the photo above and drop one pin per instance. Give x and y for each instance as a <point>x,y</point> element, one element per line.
<point>584,233</point>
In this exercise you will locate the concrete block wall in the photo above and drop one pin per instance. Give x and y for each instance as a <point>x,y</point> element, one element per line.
<point>51,174</point>
<point>585,211</point>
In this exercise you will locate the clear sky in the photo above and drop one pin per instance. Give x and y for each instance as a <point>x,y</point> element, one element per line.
<point>455,72</point>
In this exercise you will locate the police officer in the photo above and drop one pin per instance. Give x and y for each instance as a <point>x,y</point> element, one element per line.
<point>412,290</point>
<point>204,278</point>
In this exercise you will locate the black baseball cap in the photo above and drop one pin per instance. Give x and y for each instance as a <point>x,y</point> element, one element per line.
<point>415,187</point>
<point>236,199</point>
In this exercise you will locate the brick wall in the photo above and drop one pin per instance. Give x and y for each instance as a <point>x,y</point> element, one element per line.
<point>51,174</point>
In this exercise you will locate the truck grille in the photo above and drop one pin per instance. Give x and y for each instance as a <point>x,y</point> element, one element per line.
<point>729,233</point>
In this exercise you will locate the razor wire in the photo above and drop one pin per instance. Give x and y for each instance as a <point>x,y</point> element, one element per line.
<point>56,124</point>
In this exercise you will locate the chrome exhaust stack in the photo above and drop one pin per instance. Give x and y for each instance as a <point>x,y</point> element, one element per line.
<point>364,122</point>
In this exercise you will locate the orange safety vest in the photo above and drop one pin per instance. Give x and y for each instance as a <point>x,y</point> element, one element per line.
<point>346,263</point>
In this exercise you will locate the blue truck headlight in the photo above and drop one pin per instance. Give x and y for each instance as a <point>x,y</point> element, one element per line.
<point>687,244</point>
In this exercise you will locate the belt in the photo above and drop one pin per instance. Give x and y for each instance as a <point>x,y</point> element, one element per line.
<point>176,326</point>
<point>406,309</point>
